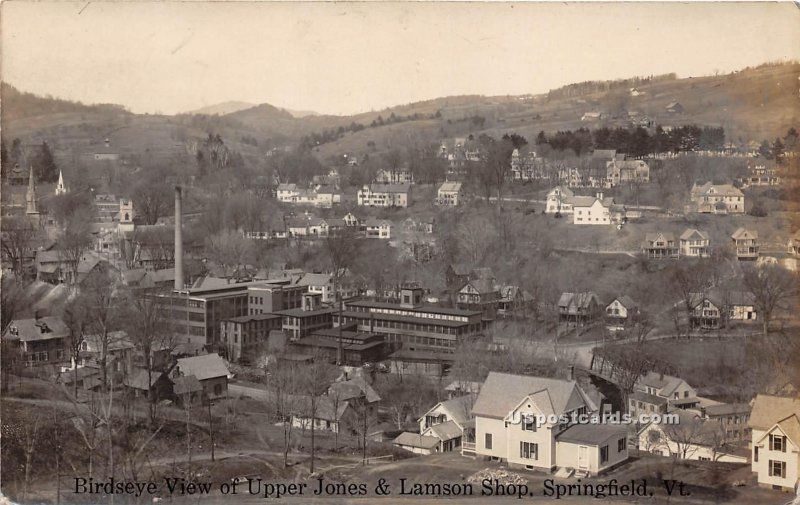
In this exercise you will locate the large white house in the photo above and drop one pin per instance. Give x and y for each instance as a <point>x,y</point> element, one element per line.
<point>694,243</point>
<point>593,210</point>
<point>692,438</point>
<point>717,198</point>
<point>626,171</point>
<point>559,201</point>
<point>384,195</point>
<point>775,424</point>
<point>449,194</point>
<point>505,430</point>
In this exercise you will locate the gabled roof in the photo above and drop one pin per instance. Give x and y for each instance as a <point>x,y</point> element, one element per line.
<point>577,299</point>
<point>592,434</point>
<point>769,410</point>
<point>564,191</point>
<point>44,328</point>
<point>450,186</point>
<point>693,234</point>
<point>390,188</point>
<point>482,286</point>
<point>416,440</point>
<point>501,393</point>
<point>460,408</point>
<point>742,233</point>
<point>207,366</point>
<point>626,301</point>
<point>667,384</point>
<point>666,236</point>
<point>445,431</point>
<point>324,408</point>
<point>312,279</point>
<point>356,387</point>
<point>726,409</point>
<point>643,397</point>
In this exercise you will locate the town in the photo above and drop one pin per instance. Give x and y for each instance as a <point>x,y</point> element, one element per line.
<point>597,284</point>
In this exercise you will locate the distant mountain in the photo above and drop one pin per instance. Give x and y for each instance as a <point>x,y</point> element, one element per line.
<point>261,112</point>
<point>302,113</point>
<point>221,109</point>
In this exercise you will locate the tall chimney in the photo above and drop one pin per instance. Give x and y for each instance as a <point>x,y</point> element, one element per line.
<point>178,240</point>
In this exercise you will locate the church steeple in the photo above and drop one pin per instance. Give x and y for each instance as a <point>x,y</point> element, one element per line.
<point>61,188</point>
<point>30,197</point>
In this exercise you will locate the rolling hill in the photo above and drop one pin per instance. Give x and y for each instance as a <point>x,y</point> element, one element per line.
<point>752,104</point>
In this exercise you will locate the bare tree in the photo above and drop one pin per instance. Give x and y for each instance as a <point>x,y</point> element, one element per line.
<point>17,243</point>
<point>30,430</point>
<point>771,287</point>
<point>99,295</point>
<point>314,381</point>
<point>73,243</point>
<point>230,250</point>
<point>687,282</point>
<point>284,381</point>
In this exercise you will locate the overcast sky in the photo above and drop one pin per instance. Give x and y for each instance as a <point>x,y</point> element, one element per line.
<point>353,57</point>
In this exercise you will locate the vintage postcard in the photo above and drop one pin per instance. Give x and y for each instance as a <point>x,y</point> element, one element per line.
<point>399,252</point>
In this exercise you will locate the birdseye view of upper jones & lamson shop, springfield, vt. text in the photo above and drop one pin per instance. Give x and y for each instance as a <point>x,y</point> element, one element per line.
<point>365,253</point>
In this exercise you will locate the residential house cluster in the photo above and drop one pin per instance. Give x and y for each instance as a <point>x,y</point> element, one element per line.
<point>691,243</point>
<point>385,195</point>
<point>321,195</point>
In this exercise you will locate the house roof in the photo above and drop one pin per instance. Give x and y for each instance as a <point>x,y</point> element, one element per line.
<point>416,440</point>
<point>356,387</point>
<point>726,409</point>
<point>460,408</point>
<point>666,236</point>
<point>138,379</point>
<point>445,431</point>
<point>450,186</point>
<point>592,434</point>
<point>186,384</point>
<point>693,234</point>
<point>643,397</point>
<point>482,286</point>
<point>390,188</point>
<point>604,153</point>
<point>768,410</point>
<point>373,222</point>
<point>626,301</point>
<point>577,299</point>
<point>791,426</point>
<point>466,386</point>
<point>667,384</point>
<point>44,328</point>
<point>502,392</point>
<point>312,279</point>
<point>743,233</point>
<point>207,366</point>
<point>324,408</point>
<point>565,192</point>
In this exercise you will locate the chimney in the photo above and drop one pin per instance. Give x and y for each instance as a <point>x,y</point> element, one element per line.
<point>36,314</point>
<point>572,373</point>
<point>600,195</point>
<point>178,240</point>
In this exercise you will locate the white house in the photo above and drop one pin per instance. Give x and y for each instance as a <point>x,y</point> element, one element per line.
<point>449,194</point>
<point>399,176</point>
<point>559,201</point>
<point>694,243</point>
<point>384,195</point>
<point>319,283</point>
<point>775,425</point>
<point>506,429</point>
<point>591,210</point>
<point>691,438</point>
<point>676,390</point>
<point>286,192</point>
<point>446,421</point>
<point>378,228</point>
<point>619,311</point>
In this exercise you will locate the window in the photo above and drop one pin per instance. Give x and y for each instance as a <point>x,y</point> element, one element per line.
<point>487,441</point>
<point>777,443</point>
<point>755,454</point>
<point>703,458</point>
<point>621,445</point>
<point>777,468</point>
<point>604,454</point>
<point>528,423</point>
<point>528,450</point>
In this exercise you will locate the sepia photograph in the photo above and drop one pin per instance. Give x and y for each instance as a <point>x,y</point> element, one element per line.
<point>357,253</point>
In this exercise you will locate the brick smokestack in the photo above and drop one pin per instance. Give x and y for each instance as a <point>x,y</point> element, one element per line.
<point>178,240</point>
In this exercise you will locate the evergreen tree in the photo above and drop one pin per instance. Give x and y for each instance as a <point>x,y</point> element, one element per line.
<point>44,166</point>
<point>778,149</point>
